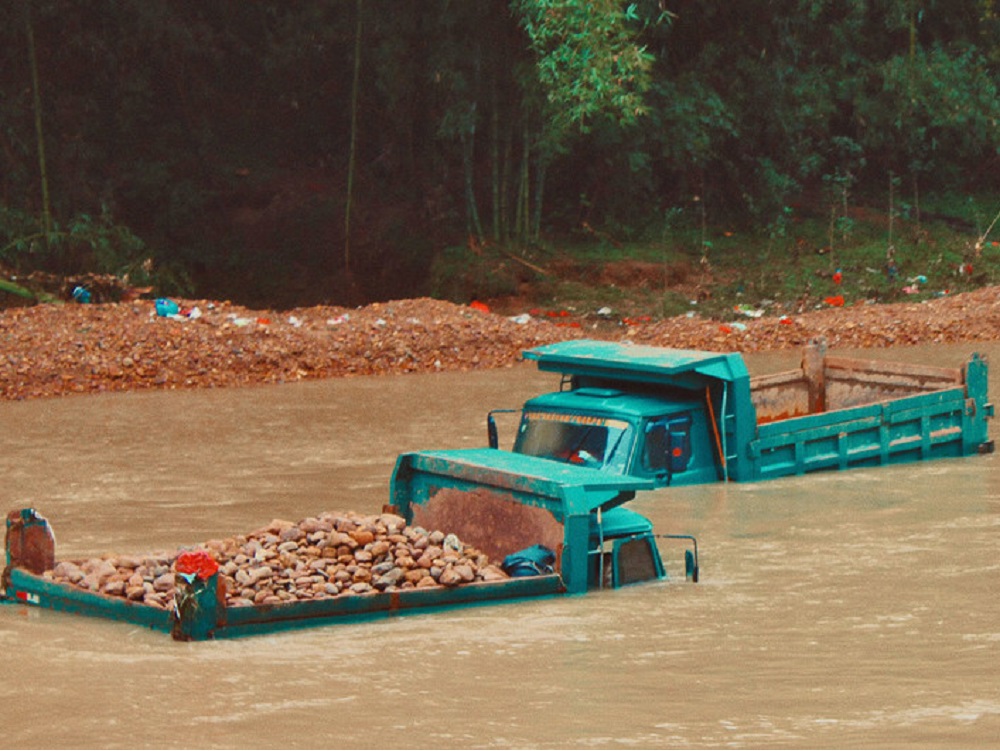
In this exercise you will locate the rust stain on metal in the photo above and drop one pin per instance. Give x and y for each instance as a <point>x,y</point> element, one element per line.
<point>30,546</point>
<point>495,524</point>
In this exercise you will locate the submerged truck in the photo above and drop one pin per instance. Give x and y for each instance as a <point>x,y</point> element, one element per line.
<point>626,419</point>
<point>681,417</point>
<point>559,529</point>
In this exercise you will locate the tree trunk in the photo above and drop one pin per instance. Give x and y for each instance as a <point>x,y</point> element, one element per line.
<point>505,177</point>
<point>472,223</point>
<point>541,168</point>
<point>39,131</point>
<point>495,160</point>
<point>352,156</point>
<point>522,215</point>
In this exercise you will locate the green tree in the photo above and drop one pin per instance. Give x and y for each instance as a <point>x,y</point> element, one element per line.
<point>589,66</point>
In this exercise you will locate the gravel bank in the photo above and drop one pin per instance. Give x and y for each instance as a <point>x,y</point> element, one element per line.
<point>50,350</point>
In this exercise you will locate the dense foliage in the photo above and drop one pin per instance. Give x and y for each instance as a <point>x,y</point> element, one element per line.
<point>294,152</point>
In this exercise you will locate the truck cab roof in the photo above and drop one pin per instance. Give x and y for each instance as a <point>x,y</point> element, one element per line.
<point>597,361</point>
<point>610,402</point>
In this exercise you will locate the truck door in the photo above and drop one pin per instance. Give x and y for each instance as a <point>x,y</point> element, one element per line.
<point>668,445</point>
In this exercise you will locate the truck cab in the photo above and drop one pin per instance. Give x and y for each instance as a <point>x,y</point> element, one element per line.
<point>631,410</point>
<point>661,437</point>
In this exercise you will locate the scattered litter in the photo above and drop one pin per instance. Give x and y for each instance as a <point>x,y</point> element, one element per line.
<point>965,269</point>
<point>748,311</point>
<point>921,279</point>
<point>480,306</point>
<point>337,320</point>
<point>294,321</point>
<point>837,301</point>
<point>838,277</point>
<point>911,289</point>
<point>166,308</point>
<point>604,312</point>
<point>380,322</point>
<point>739,326</point>
<point>785,320</point>
<point>81,295</point>
<point>263,321</point>
<point>522,319</point>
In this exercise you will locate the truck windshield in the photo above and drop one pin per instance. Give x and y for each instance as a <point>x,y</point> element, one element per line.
<point>598,442</point>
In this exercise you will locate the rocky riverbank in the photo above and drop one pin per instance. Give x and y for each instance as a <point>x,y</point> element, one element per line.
<point>49,350</point>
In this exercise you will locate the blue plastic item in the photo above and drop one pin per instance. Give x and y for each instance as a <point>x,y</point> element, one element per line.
<point>532,561</point>
<point>166,308</point>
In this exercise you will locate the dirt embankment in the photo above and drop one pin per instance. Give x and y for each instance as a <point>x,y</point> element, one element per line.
<point>49,350</point>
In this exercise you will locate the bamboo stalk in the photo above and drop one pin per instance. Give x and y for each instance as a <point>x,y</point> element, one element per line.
<point>39,131</point>
<point>352,156</point>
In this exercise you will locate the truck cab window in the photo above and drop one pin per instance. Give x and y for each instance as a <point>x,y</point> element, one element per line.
<point>596,442</point>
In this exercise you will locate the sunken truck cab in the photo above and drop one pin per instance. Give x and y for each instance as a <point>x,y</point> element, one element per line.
<point>650,414</point>
<point>628,434</point>
<point>541,519</point>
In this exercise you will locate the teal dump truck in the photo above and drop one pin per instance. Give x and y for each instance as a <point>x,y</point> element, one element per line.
<point>559,529</point>
<point>680,417</point>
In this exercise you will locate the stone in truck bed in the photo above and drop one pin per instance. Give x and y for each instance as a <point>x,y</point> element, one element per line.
<point>330,555</point>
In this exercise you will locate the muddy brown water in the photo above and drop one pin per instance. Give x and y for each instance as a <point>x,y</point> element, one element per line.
<point>854,609</point>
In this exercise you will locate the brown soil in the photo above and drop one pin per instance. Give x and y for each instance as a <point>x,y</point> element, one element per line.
<point>49,350</point>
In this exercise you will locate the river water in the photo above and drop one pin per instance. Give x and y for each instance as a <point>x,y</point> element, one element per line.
<point>854,609</point>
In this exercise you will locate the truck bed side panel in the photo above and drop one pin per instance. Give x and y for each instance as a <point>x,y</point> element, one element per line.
<point>924,426</point>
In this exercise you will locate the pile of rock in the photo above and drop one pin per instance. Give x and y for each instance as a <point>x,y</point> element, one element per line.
<point>319,557</point>
<point>145,579</point>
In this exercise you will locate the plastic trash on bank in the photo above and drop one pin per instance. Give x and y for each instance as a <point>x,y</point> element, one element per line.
<point>166,307</point>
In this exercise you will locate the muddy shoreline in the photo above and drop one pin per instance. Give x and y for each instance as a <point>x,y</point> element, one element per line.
<point>53,350</point>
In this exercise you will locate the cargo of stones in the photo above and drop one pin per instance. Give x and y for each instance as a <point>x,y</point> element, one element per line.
<point>326,556</point>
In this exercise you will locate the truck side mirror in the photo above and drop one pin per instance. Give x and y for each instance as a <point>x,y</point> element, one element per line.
<point>691,566</point>
<point>491,431</point>
<point>492,436</point>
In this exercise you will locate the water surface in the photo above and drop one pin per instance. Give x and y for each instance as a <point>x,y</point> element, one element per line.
<point>841,609</point>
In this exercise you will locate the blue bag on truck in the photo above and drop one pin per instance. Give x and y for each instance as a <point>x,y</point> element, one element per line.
<point>532,561</point>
